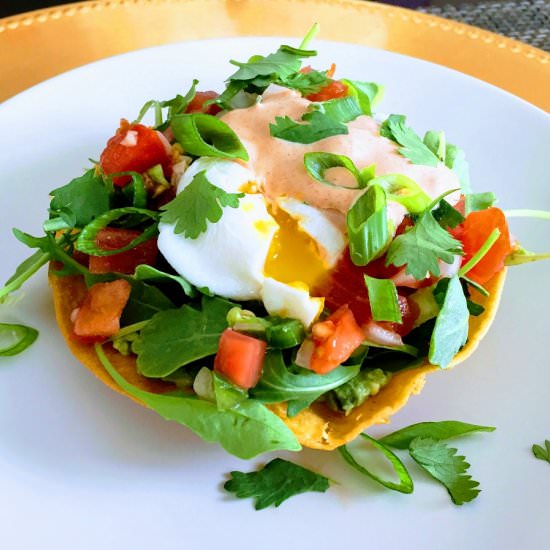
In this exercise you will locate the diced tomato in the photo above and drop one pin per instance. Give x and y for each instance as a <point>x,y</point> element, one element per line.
<point>98,317</point>
<point>335,339</point>
<point>137,148</point>
<point>112,238</point>
<point>333,90</point>
<point>477,228</point>
<point>240,358</point>
<point>196,105</point>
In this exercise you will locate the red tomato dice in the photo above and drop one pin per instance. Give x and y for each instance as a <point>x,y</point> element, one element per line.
<point>98,318</point>
<point>334,339</point>
<point>476,230</point>
<point>112,238</point>
<point>333,90</point>
<point>196,105</point>
<point>136,148</point>
<point>240,358</point>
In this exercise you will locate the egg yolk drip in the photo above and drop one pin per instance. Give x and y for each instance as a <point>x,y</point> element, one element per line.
<point>294,256</point>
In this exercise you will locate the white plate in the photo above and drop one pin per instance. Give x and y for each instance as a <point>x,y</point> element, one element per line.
<point>82,467</point>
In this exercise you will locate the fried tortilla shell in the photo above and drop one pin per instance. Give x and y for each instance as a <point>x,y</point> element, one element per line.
<point>317,427</point>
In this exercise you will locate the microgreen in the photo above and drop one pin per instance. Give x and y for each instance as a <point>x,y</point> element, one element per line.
<point>542,453</point>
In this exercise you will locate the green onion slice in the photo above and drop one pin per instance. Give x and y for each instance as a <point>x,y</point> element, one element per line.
<point>405,484</point>
<point>206,135</point>
<point>383,300</point>
<point>405,191</point>
<point>317,163</point>
<point>15,339</point>
<point>367,226</point>
<point>86,241</point>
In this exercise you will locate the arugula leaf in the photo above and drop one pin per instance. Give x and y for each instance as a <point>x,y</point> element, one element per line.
<point>445,429</point>
<point>451,325</point>
<point>367,94</point>
<point>412,147</point>
<point>15,338</point>
<point>279,383</point>
<point>177,337</point>
<point>25,270</point>
<point>422,246</point>
<point>306,83</point>
<point>81,200</point>
<point>447,216</point>
<point>474,202</point>
<point>277,481</point>
<point>441,462</point>
<point>148,273</point>
<point>383,300</point>
<point>542,453</point>
<point>322,120</point>
<point>144,302</point>
<point>206,135</point>
<point>405,484</point>
<point>245,430</point>
<point>199,203</point>
<point>367,225</point>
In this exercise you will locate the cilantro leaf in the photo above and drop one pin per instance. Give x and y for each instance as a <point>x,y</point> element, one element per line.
<point>199,203</point>
<point>81,200</point>
<point>542,453</point>
<point>321,121</point>
<point>277,481</point>
<point>442,463</point>
<point>422,246</point>
<point>412,147</point>
<point>176,337</point>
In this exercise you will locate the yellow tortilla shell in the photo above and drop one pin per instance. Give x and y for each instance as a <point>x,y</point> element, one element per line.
<point>317,427</point>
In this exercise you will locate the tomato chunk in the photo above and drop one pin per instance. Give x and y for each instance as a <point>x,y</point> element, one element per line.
<point>476,230</point>
<point>333,90</point>
<point>196,105</point>
<point>335,339</point>
<point>112,238</point>
<point>137,148</point>
<point>98,317</point>
<point>240,358</point>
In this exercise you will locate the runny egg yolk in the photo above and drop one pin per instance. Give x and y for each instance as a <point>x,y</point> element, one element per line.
<point>293,255</point>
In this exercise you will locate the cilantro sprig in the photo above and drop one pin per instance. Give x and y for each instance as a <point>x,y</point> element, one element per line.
<point>199,203</point>
<point>276,482</point>
<point>542,453</point>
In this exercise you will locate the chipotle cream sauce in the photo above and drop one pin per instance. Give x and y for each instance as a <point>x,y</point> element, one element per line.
<point>279,164</point>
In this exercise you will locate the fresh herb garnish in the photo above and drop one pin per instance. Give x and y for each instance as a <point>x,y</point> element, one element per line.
<point>422,246</point>
<point>367,94</point>
<point>280,383</point>
<point>307,82</point>
<point>412,147</point>
<point>177,337</point>
<point>81,200</point>
<point>474,202</point>
<point>447,216</point>
<point>445,429</point>
<point>405,484</point>
<point>451,326</point>
<point>405,191</point>
<point>443,464</point>
<point>245,430</point>
<point>277,481</point>
<point>542,453</point>
<point>206,135</point>
<point>383,300</point>
<point>15,338</point>
<point>151,274</point>
<point>322,120</point>
<point>367,224</point>
<point>199,203</point>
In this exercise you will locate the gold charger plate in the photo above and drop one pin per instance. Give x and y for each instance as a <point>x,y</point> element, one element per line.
<point>41,44</point>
